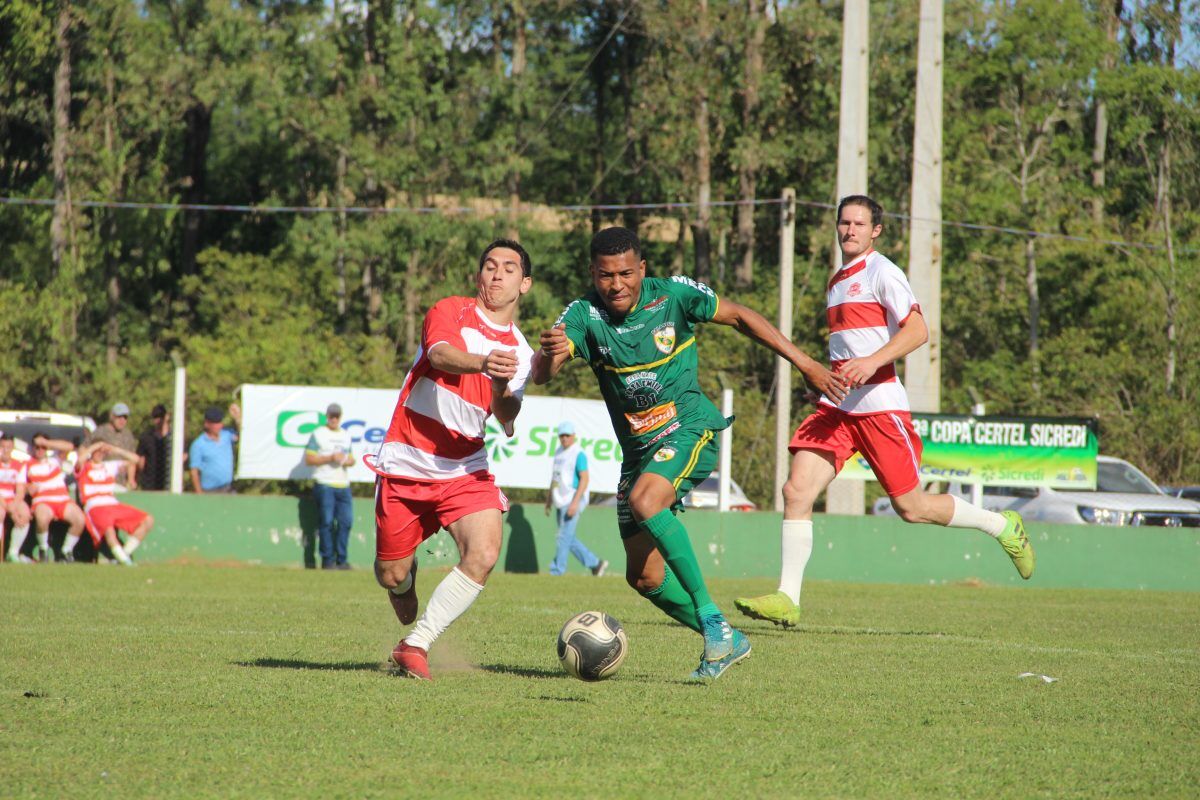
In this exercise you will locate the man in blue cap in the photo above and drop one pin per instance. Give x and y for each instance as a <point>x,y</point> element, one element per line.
<point>569,496</point>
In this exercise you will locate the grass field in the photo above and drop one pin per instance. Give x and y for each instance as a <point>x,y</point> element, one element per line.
<point>186,681</point>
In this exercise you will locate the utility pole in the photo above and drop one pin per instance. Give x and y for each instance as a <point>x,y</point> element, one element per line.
<point>848,496</point>
<point>783,368</point>
<point>923,367</point>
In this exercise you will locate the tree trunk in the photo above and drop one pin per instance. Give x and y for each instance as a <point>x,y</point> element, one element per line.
<point>62,131</point>
<point>701,228</point>
<point>372,295</point>
<point>517,111</point>
<point>637,159</point>
<point>1164,203</point>
<point>748,169</point>
<point>198,122</point>
<point>599,73</point>
<point>1035,311</point>
<point>1100,130</point>
<point>340,256</point>
<point>412,298</point>
<point>111,244</point>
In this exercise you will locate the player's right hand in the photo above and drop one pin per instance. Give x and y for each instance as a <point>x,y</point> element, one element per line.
<point>500,365</point>
<point>554,341</point>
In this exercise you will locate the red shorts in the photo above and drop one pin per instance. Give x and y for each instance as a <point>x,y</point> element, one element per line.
<point>57,507</point>
<point>119,517</point>
<point>407,512</point>
<point>886,440</point>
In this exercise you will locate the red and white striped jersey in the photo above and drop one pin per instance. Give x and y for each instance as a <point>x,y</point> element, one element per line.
<point>12,473</point>
<point>867,301</point>
<point>96,484</point>
<point>437,430</point>
<point>46,481</point>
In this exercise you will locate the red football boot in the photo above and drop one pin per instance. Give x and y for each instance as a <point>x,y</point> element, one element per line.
<point>405,605</point>
<point>411,662</point>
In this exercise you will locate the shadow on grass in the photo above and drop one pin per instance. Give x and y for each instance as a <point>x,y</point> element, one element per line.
<point>295,663</point>
<point>524,672</point>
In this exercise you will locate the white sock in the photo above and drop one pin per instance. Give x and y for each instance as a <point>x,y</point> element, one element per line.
<point>969,516</point>
<point>69,544</point>
<point>449,600</point>
<point>797,547</point>
<point>131,544</point>
<point>43,539</point>
<point>18,538</point>
<point>120,552</point>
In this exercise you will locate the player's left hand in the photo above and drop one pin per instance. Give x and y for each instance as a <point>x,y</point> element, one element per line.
<point>858,371</point>
<point>500,365</point>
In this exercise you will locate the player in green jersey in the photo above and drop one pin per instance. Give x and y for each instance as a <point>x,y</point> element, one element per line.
<point>636,333</point>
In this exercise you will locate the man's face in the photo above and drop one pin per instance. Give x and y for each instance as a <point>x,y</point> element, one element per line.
<point>213,428</point>
<point>334,421</point>
<point>566,439</point>
<point>856,232</point>
<point>6,448</point>
<point>99,453</point>
<point>618,280</point>
<point>120,422</point>
<point>502,279</point>
<point>40,451</point>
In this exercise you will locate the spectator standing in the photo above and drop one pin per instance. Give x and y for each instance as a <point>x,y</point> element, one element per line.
<point>210,458</point>
<point>154,451</point>
<point>116,432</point>
<point>328,451</point>
<point>569,496</point>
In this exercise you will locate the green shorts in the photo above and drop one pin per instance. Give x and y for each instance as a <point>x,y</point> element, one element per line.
<point>685,458</point>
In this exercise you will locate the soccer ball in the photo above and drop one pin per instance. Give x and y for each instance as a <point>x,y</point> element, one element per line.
<point>592,645</point>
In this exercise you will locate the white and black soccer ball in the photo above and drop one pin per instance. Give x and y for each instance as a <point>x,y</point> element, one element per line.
<point>592,645</point>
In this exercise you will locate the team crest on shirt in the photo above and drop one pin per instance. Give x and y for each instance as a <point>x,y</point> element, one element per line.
<point>664,338</point>
<point>855,290</point>
<point>665,454</point>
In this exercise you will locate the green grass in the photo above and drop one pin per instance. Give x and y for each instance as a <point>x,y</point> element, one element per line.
<point>185,681</point>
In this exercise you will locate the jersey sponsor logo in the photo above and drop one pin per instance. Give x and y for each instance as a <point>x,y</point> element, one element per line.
<point>855,290</point>
<point>604,350</point>
<point>645,421</point>
<point>643,389</point>
<point>631,328</point>
<point>665,454</point>
<point>700,287</point>
<point>667,431</point>
<point>656,305</point>
<point>664,338</point>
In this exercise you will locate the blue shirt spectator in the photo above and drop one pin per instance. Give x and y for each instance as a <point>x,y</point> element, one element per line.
<point>210,458</point>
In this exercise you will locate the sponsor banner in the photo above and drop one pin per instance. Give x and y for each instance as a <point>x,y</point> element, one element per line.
<point>1059,452</point>
<point>277,422</point>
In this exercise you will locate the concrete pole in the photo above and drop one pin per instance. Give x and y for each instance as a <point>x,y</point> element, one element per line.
<point>178,431</point>
<point>923,368</point>
<point>846,496</point>
<point>726,462</point>
<point>783,369</point>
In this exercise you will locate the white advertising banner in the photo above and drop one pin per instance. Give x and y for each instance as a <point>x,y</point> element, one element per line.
<point>277,422</point>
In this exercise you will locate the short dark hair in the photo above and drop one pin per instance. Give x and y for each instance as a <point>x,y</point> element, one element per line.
<point>862,200</point>
<point>6,436</point>
<point>615,241</point>
<point>526,264</point>
<point>158,412</point>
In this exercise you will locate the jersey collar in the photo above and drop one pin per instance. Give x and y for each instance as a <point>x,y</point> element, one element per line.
<point>855,266</point>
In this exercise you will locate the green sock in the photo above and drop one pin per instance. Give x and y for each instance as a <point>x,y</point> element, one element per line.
<point>676,548</point>
<point>674,601</point>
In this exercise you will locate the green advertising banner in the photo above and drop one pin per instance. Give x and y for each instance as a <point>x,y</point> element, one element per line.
<point>1059,452</point>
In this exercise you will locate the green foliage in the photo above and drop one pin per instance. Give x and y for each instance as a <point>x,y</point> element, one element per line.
<point>499,105</point>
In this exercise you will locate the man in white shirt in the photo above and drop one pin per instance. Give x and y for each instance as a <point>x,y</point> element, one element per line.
<point>328,450</point>
<point>569,496</point>
<point>874,320</point>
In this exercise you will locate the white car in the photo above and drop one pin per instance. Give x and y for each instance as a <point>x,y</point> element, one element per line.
<point>1123,496</point>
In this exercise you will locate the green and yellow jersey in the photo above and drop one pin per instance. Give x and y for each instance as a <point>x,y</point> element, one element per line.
<point>646,363</point>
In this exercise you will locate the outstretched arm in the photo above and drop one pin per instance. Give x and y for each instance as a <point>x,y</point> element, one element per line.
<point>550,357</point>
<point>753,325</point>
<point>912,334</point>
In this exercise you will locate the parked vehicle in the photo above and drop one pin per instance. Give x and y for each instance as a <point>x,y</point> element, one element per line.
<point>1123,496</point>
<point>24,424</point>
<point>1186,492</point>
